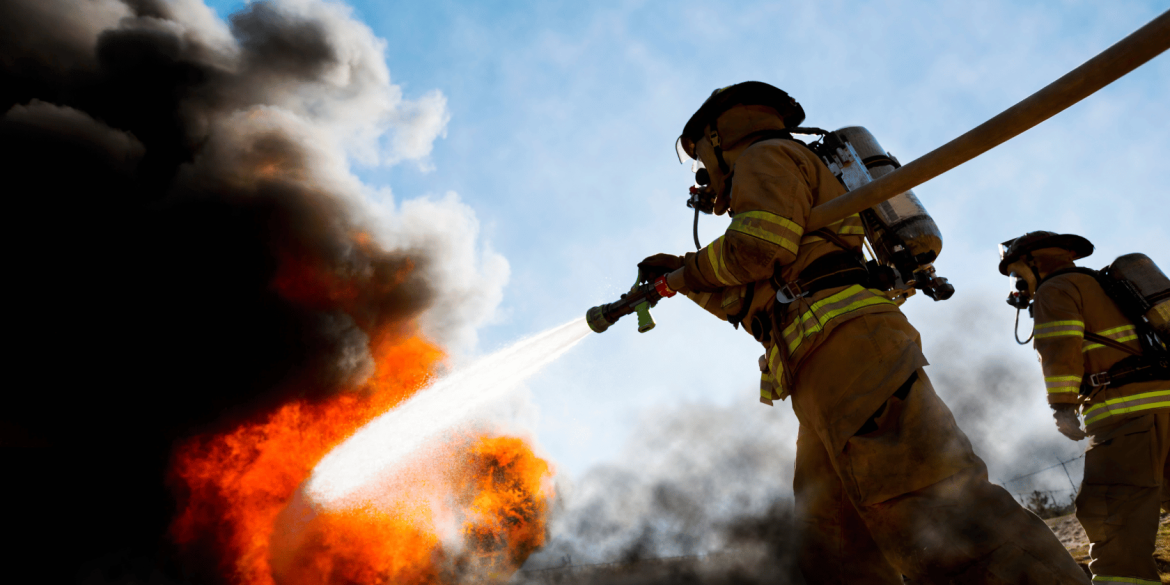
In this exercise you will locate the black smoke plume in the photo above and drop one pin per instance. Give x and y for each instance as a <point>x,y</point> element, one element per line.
<point>701,494</point>
<point>184,250</point>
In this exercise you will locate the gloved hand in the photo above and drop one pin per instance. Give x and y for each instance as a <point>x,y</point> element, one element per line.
<point>659,264</point>
<point>1067,422</point>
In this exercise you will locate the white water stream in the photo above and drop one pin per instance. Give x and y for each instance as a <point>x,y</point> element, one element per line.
<point>450,401</point>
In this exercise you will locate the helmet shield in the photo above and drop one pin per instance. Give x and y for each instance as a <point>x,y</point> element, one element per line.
<point>685,149</point>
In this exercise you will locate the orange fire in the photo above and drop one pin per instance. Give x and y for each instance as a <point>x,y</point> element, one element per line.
<point>236,485</point>
<point>500,491</point>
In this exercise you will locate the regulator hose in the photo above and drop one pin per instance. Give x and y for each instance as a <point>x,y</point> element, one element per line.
<point>1016,330</point>
<point>697,246</point>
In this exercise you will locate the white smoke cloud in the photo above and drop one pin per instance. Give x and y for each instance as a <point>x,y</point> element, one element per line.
<point>353,113</point>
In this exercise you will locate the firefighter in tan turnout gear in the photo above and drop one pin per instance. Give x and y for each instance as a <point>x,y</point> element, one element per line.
<point>886,483</point>
<point>1099,361</point>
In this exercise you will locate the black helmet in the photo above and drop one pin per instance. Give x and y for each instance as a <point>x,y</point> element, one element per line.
<point>1013,250</point>
<point>748,93</point>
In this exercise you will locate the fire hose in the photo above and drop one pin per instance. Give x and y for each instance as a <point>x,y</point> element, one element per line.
<point>1108,66</point>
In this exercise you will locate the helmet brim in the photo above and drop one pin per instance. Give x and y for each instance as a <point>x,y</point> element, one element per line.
<point>1080,247</point>
<point>746,93</point>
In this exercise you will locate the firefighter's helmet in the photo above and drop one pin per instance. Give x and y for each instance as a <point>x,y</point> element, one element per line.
<point>1013,250</point>
<point>748,93</point>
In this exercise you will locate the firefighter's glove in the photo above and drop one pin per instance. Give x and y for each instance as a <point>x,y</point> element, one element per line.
<point>1067,422</point>
<point>659,265</point>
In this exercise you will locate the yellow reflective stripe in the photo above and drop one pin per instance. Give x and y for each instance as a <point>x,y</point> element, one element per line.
<point>1128,404</point>
<point>766,387</point>
<point>1070,323</point>
<point>1057,384</point>
<point>1060,328</point>
<point>1109,332</point>
<point>732,295</point>
<point>769,227</point>
<point>715,257</point>
<point>821,312</point>
<point>772,380</point>
<point>775,364</point>
<point>851,226</point>
<point>1120,334</point>
<point>1109,580</point>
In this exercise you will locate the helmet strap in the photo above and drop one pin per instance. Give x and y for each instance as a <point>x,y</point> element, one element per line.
<point>1036,272</point>
<point>714,137</point>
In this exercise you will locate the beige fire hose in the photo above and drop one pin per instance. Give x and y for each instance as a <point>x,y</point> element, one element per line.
<point>1110,65</point>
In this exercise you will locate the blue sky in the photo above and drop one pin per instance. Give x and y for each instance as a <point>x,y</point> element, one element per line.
<point>563,120</point>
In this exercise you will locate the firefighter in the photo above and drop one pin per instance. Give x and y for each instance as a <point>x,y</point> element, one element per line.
<point>1081,335</point>
<point>886,484</point>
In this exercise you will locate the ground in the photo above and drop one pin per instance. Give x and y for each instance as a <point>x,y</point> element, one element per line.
<point>1072,536</point>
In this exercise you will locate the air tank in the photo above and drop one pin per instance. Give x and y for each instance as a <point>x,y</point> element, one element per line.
<point>1150,284</point>
<point>905,238</point>
<point>902,216</point>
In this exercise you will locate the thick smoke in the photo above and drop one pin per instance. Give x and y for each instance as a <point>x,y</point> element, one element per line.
<point>187,246</point>
<point>703,494</point>
<point>712,485</point>
<point>997,396</point>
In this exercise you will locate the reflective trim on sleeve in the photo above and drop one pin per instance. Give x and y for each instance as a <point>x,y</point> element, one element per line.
<point>1059,328</point>
<point>769,227</point>
<point>1126,405</point>
<point>821,312</point>
<point>1062,384</point>
<point>715,257</point>
<point>1110,580</point>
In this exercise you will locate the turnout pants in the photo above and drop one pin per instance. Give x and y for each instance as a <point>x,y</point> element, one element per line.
<point>908,496</point>
<point>1125,475</point>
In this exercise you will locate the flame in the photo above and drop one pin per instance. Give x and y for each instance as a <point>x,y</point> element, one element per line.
<point>510,495</point>
<point>479,509</point>
<point>235,485</point>
<point>364,546</point>
<point>499,491</point>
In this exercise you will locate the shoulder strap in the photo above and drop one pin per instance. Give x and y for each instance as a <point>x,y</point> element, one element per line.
<point>762,135</point>
<point>1111,287</point>
<point>828,234</point>
<point>1111,343</point>
<point>1075,270</point>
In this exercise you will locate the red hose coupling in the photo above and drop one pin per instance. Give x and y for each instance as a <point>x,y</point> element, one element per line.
<point>662,288</point>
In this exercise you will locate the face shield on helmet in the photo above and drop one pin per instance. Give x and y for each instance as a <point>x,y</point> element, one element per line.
<point>684,148</point>
<point>1021,278</point>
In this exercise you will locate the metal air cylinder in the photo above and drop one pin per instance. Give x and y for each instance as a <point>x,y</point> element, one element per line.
<point>1150,283</point>
<point>902,216</point>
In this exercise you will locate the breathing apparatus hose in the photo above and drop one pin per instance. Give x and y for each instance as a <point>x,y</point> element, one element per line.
<point>697,245</point>
<point>1016,329</point>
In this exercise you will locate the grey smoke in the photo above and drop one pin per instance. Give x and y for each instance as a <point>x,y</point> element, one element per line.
<point>693,480</point>
<point>714,483</point>
<point>194,248</point>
